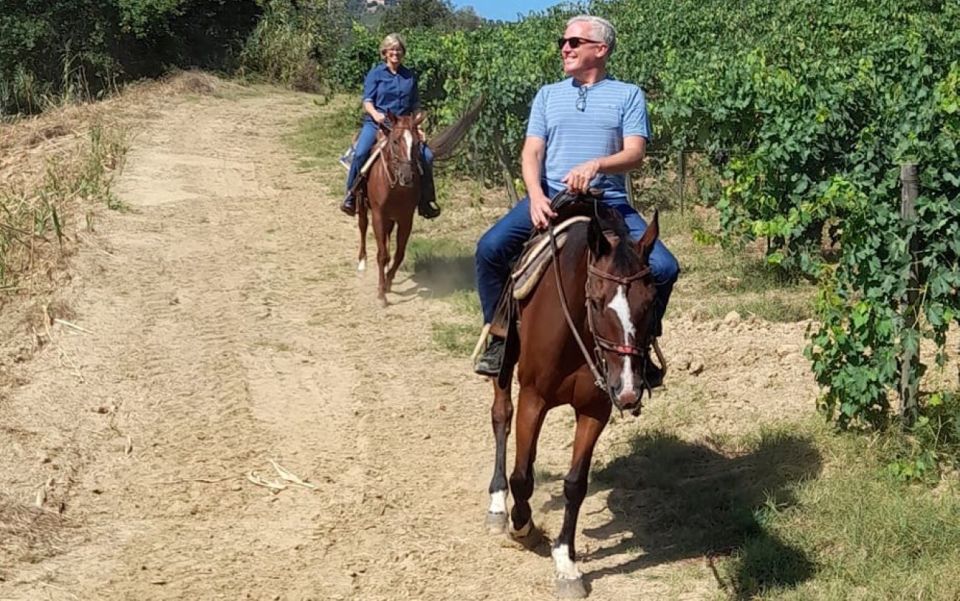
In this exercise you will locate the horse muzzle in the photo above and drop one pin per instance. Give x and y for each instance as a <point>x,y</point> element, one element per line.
<point>625,399</point>
<point>405,175</point>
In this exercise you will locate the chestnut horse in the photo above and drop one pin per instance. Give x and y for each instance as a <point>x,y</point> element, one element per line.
<point>391,196</point>
<point>601,299</point>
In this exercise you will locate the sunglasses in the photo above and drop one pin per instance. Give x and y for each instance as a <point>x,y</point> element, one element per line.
<point>575,42</point>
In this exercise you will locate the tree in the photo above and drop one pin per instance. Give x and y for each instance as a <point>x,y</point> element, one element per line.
<point>411,14</point>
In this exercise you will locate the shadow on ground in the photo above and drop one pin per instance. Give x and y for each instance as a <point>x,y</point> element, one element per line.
<point>677,500</point>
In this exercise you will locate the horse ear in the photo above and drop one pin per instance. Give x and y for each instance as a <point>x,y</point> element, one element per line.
<point>596,241</point>
<point>649,238</point>
<point>419,117</point>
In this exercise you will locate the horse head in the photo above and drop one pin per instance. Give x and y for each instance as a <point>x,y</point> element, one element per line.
<point>402,151</point>
<point>620,297</point>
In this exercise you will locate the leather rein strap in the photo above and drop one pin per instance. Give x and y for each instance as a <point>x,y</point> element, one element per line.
<point>598,379</point>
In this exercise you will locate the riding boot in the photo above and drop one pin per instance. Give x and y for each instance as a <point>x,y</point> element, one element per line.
<point>349,204</point>
<point>428,207</point>
<point>491,360</point>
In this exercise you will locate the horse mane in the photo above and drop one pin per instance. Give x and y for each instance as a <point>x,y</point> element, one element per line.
<point>609,220</point>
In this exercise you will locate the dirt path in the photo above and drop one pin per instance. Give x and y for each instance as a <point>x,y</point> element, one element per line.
<point>224,328</point>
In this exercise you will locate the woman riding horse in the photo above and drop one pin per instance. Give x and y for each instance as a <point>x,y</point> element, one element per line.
<point>390,88</point>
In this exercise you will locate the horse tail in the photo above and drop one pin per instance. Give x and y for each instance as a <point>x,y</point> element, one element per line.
<point>444,143</point>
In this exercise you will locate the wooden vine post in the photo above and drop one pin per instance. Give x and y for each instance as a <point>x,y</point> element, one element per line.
<point>909,359</point>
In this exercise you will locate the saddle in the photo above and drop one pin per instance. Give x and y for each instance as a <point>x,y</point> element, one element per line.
<point>530,267</point>
<point>537,255</point>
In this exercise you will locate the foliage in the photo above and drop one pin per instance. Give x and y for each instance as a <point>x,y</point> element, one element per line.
<point>53,49</point>
<point>281,48</point>
<point>436,14</point>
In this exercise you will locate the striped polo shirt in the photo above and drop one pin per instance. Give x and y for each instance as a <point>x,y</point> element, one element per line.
<point>584,122</point>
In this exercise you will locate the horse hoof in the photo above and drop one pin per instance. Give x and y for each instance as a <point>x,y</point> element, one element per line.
<point>568,588</point>
<point>496,523</point>
<point>529,537</point>
<point>362,266</point>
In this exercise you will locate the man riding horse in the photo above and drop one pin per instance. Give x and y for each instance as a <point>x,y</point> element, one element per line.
<point>584,132</point>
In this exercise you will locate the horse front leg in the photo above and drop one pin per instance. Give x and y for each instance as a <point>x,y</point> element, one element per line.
<point>531,410</point>
<point>381,230</point>
<point>362,221</point>
<point>590,424</point>
<point>501,416</point>
<point>403,236</point>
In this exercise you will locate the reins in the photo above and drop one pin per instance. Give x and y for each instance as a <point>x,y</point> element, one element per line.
<point>598,379</point>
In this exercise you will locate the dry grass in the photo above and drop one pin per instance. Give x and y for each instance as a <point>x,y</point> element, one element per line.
<point>30,534</point>
<point>57,169</point>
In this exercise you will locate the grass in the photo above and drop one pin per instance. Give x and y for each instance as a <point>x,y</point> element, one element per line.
<point>456,339</point>
<point>444,267</point>
<point>36,215</point>
<point>715,281</point>
<point>322,138</point>
<point>796,512</point>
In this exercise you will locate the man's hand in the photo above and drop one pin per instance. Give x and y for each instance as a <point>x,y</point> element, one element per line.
<point>540,211</point>
<point>378,117</point>
<point>579,178</point>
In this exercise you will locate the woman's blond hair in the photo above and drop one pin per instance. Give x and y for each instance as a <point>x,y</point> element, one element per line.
<point>393,39</point>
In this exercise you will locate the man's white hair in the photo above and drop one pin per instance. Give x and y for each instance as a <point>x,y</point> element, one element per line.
<point>602,29</point>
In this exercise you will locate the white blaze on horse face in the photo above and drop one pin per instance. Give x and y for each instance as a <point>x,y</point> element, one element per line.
<point>498,502</point>
<point>621,307</point>
<point>408,140</point>
<point>566,567</point>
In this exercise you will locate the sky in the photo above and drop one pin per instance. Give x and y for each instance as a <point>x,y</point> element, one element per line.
<point>504,10</point>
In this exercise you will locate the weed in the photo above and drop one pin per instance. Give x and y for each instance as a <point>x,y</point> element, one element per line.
<point>34,215</point>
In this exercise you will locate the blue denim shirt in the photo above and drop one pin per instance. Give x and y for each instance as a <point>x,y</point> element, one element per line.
<point>393,92</point>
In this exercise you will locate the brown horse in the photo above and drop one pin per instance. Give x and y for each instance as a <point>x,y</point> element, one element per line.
<point>605,283</point>
<point>394,181</point>
<point>392,193</point>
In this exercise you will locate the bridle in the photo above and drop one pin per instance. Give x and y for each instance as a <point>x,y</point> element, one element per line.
<point>597,362</point>
<point>393,166</point>
<point>599,341</point>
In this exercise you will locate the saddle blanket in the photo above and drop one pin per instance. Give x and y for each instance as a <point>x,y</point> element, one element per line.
<point>537,254</point>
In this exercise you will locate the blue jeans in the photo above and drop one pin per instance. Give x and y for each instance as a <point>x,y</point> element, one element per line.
<point>500,246</point>
<point>365,142</point>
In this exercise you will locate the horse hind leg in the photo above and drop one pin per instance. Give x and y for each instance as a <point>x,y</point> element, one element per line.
<point>501,416</point>
<point>362,222</point>
<point>569,581</point>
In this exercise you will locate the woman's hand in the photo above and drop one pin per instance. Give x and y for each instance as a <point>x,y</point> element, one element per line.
<point>579,178</point>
